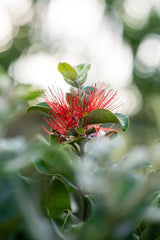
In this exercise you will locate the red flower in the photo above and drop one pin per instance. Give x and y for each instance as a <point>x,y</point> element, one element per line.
<point>67,118</point>
<point>98,98</point>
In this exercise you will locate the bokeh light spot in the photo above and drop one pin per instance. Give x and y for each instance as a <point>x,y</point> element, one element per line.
<point>148,54</point>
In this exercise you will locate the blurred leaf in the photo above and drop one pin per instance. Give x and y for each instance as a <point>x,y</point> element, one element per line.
<point>2,70</point>
<point>55,169</point>
<point>5,83</point>
<point>45,169</point>
<point>105,116</point>
<point>53,138</point>
<point>130,164</point>
<point>13,154</point>
<point>59,200</point>
<point>90,206</point>
<point>152,231</point>
<point>67,71</point>
<point>9,214</point>
<point>53,161</point>
<point>35,222</point>
<point>71,222</point>
<point>43,107</point>
<point>26,92</point>
<point>140,228</point>
<point>137,158</point>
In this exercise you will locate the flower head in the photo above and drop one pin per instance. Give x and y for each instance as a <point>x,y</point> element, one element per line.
<point>67,113</point>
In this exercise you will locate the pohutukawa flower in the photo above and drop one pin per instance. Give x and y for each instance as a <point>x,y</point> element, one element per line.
<point>68,112</point>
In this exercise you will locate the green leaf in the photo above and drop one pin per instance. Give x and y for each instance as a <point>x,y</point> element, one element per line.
<point>56,161</point>
<point>89,206</point>
<point>129,164</point>
<point>45,169</point>
<point>59,198</point>
<point>152,231</point>
<point>105,116</point>
<point>43,107</point>
<point>70,82</point>
<point>53,168</point>
<point>124,121</point>
<point>67,71</point>
<point>70,222</point>
<point>81,80</point>
<point>82,70</point>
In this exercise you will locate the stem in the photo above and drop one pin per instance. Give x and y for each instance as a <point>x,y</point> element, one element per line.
<point>81,146</point>
<point>85,200</point>
<point>85,208</point>
<point>80,151</point>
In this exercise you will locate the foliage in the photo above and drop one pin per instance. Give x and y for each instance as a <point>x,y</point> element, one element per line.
<point>50,192</point>
<point>112,191</point>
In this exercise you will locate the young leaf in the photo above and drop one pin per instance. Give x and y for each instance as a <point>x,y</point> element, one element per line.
<point>67,71</point>
<point>82,70</point>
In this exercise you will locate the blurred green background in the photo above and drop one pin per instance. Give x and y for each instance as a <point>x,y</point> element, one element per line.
<point>121,40</point>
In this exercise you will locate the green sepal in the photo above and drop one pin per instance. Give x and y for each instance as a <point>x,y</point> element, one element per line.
<point>42,106</point>
<point>80,130</point>
<point>67,71</point>
<point>99,115</point>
